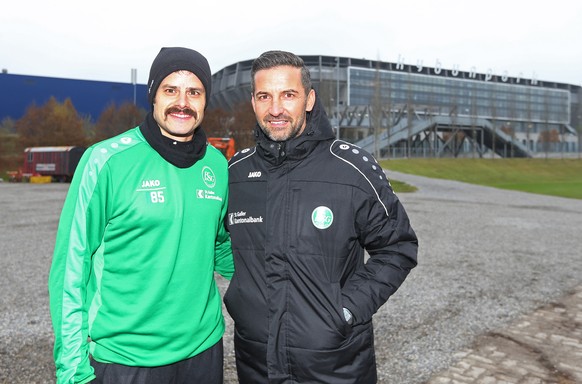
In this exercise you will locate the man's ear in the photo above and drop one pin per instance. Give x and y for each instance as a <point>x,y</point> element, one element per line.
<point>310,100</point>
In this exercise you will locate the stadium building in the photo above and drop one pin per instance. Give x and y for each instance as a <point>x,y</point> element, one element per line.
<point>395,109</point>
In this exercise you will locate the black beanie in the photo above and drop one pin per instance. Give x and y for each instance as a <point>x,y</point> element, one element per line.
<point>174,59</point>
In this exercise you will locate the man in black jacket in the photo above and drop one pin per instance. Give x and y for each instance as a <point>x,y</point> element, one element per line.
<point>303,207</point>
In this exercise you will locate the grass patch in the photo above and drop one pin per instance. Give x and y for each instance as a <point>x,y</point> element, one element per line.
<point>399,186</point>
<point>555,177</point>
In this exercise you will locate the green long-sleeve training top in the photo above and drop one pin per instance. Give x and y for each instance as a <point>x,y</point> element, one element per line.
<point>133,268</point>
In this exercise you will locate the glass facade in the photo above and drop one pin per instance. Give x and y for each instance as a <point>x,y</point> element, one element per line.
<point>444,95</point>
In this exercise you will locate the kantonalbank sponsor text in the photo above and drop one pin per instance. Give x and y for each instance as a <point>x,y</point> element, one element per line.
<point>240,217</point>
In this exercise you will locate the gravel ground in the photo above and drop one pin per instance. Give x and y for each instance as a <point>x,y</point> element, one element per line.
<point>486,257</point>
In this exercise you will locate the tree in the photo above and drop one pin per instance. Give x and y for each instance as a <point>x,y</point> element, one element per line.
<point>493,106</point>
<point>409,114</point>
<point>244,124</point>
<point>387,97</point>
<point>578,121</point>
<point>512,105</point>
<point>237,124</point>
<point>549,138</point>
<point>217,123</point>
<point>114,120</point>
<point>10,152</point>
<point>376,110</point>
<point>7,125</point>
<point>53,124</point>
<point>474,114</point>
<point>546,137</point>
<point>529,121</point>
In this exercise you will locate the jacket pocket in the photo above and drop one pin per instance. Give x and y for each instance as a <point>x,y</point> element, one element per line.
<point>316,316</point>
<point>352,362</point>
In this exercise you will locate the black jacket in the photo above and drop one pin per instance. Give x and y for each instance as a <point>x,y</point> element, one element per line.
<point>300,215</point>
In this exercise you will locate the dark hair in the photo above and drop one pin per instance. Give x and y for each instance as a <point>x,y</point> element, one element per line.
<point>272,59</point>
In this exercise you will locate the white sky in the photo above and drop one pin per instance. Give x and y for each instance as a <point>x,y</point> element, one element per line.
<point>104,40</point>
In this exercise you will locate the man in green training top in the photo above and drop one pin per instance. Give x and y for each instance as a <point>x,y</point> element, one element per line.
<point>132,292</point>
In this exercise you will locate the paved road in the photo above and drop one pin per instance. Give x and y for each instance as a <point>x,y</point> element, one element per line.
<point>544,346</point>
<point>495,298</point>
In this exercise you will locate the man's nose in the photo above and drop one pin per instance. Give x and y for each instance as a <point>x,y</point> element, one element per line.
<point>276,107</point>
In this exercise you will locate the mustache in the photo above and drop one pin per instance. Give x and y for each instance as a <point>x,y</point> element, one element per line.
<point>185,110</point>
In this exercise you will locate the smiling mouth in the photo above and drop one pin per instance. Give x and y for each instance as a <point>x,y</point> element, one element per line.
<point>180,115</point>
<point>278,123</point>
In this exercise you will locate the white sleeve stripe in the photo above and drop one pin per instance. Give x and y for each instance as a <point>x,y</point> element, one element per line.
<point>241,159</point>
<point>365,177</point>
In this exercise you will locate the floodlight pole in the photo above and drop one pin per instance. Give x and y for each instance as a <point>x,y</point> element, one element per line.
<point>134,82</point>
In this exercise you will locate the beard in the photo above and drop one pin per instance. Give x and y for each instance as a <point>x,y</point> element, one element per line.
<point>295,130</point>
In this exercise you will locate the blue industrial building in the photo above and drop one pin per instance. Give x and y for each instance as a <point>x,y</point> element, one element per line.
<point>90,98</point>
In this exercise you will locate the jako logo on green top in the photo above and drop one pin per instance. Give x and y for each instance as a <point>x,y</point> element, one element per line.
<point>322,217</point>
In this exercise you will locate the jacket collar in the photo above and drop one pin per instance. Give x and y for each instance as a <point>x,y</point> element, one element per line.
<point>317,129</point>
<point>180,154</point>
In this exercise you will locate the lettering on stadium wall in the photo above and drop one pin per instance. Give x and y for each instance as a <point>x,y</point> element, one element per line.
<point>472,73</point>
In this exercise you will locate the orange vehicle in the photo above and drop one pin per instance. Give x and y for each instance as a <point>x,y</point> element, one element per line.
<point>225,144</point>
